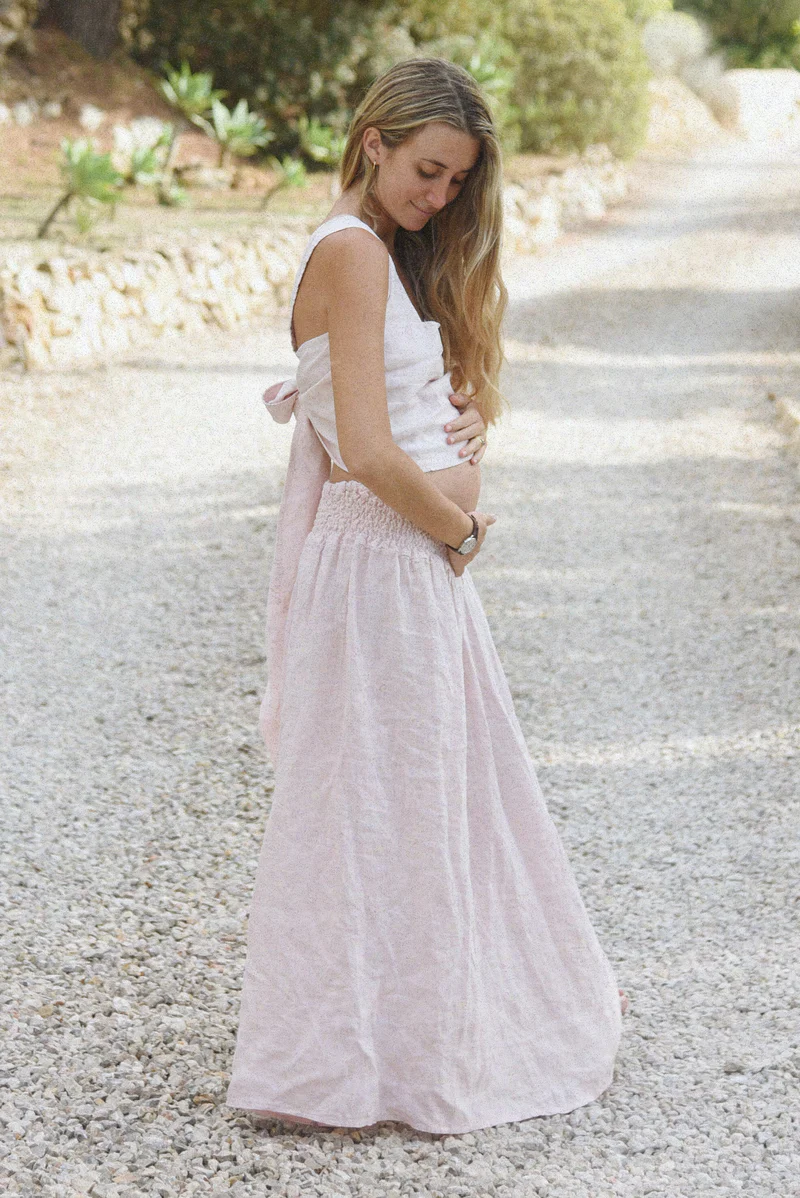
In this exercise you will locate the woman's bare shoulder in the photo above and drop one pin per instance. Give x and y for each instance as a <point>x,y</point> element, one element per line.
<point>352,259</point>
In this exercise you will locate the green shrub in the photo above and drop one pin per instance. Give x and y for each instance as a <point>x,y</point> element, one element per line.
<point>320,142</point>
<point>641,11</point>
<point>581,75</point>
<point>289,172</point>
<point>90,180</point>
<point>758,33</point>
<point>192,93</point>
<point>585,55</point>
<point>312,58</point>
<point>429,20</point>
<point>559,74</point>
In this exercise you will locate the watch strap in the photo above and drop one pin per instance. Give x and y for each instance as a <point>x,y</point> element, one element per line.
<point>474,533</point>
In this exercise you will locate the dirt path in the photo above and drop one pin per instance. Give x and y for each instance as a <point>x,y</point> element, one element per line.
<point>642,581</point>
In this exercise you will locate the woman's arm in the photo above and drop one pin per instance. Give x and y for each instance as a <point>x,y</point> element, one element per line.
<point>354,273</point>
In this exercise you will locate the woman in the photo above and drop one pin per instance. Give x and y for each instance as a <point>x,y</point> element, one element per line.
<point>418,950</point>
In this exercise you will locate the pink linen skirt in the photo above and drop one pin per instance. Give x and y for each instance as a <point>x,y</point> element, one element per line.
<point>417,947</point>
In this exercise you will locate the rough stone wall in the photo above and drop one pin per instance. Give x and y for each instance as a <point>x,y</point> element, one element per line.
<point>537,212</point>
<point>80,307</point>
<point>68,307</point>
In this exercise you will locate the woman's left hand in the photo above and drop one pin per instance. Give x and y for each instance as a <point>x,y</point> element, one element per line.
<point>467,426</point>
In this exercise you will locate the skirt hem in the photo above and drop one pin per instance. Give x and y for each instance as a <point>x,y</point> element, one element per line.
<point>479,1123</point>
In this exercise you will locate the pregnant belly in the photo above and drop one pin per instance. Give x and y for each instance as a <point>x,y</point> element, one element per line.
<point>460,483</point>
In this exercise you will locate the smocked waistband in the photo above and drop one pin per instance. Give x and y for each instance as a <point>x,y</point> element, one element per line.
<point>349,509</point>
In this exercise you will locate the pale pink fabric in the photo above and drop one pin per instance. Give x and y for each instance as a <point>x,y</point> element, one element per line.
<point>418,949</point>
<point>309,467</point>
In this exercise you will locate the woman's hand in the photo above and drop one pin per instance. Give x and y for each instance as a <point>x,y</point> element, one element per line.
<point>467,426</point>
<point>459,561</point>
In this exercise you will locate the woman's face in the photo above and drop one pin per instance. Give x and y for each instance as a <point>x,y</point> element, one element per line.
<point>416,179</point>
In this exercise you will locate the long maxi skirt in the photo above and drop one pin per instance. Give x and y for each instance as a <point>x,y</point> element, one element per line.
<point>418,949</point>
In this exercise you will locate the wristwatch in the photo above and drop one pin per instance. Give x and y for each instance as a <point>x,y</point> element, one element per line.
<point>469,542</point>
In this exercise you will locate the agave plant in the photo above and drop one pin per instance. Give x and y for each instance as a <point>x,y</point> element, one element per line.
<point>141,149</point>
<point>193,94</point>
<point>90,179</point>
<point>238,131</point>
<point>320,142</point>
<point>289,172</point>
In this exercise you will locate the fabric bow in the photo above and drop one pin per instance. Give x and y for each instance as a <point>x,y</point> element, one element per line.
<point>308,470</point>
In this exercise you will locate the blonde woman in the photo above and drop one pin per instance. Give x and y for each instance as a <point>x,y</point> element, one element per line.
<point>418,950</point>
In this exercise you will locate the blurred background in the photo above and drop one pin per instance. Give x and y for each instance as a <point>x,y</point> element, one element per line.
<point>153,124</point>
<point>236,105</point>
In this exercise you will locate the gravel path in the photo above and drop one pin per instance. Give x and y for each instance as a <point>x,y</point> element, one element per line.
<point>642,582</point>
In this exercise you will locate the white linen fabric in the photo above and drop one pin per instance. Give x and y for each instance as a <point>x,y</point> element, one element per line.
<point>417,386</point>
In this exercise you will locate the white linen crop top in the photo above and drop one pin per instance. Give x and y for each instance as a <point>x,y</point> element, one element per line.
<point>417,386</point>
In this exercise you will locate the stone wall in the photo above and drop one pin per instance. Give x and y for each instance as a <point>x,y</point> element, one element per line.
<point>78,307</point>
<point>68,307</point>
<point>568,192</point>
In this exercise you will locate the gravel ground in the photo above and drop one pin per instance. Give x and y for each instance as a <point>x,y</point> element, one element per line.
<point>642,582</point>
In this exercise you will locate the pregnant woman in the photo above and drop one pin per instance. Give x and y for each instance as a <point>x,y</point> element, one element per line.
<point>418,949</point>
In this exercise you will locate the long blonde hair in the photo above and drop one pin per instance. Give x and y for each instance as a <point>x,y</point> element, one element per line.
<point>453,263</point>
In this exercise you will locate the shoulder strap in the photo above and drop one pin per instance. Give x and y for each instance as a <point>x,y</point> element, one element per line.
<point>342,221</point>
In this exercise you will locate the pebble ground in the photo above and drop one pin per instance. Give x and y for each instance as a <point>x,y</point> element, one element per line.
<point>643,585</point>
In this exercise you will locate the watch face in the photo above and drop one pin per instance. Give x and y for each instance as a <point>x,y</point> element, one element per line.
<point>468,545</point>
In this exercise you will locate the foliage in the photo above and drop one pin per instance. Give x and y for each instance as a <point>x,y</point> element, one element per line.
<point>758,33</point>
<point>87,173</point>
<point>141,149</point>
<point>470,33</point>
<point>557,73</point>
<point>289,172</point>
<point>90,180</point>
<point>286,60</point>
<point>191,92</point>
<point>581,75</point>
<point>641,11</point>
<point>320,142</point>
<point>237,130</point>
<point>431,20</point>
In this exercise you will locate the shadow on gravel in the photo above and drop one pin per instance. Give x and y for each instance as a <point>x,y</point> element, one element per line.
<point>660,321</point>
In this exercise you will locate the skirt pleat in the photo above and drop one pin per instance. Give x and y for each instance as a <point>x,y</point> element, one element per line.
<point>418,949</point>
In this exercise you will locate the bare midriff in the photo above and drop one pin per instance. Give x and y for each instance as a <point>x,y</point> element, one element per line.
<point>460,483</point>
